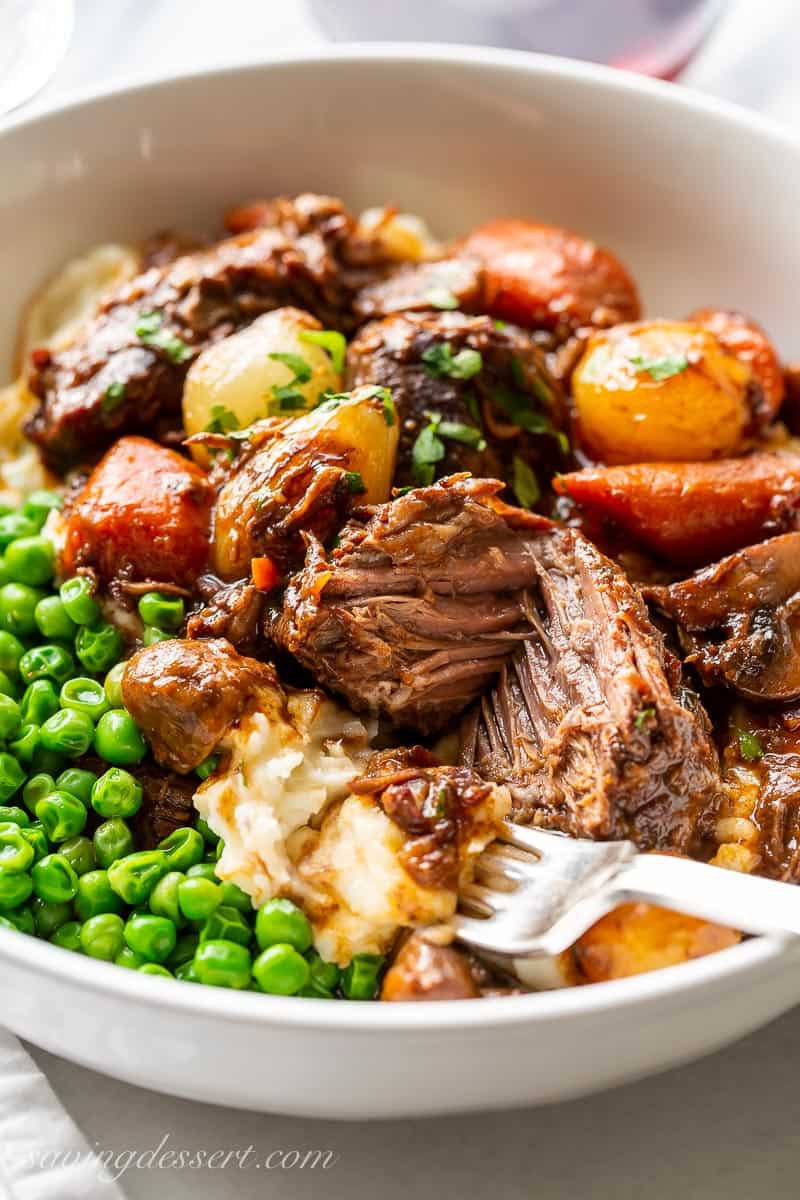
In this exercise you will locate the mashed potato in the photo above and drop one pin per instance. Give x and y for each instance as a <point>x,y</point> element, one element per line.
<point>283,807</point>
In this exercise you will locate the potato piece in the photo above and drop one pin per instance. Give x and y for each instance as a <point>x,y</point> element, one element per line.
<point>239,380</point>
<point>660,391</point>
<point>641,937</point>
<point>305,478</point>
<point>403,237</point>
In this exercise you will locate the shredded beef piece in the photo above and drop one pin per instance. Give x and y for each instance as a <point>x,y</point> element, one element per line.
<point>166,804</point>
<point>111,380</point>
<point>423,600</point>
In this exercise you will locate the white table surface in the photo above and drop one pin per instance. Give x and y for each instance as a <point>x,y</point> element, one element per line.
<point>724,1127</point>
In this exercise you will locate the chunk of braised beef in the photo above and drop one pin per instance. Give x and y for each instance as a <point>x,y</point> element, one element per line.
<point>166,804</point>
<point>421,287</point>
<point>231,611</point>
<point>483,391</point>
<point>740,619</point>
<point>124,370</point>
<point>436,806</point>
<point>185,695</point>
<point>588,724</point>
<point>414,613</point>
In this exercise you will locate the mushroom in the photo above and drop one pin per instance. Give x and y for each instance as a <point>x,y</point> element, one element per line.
<point>740,619</point>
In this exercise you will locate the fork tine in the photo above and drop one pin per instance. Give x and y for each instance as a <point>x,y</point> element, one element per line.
<point>537,841</point>
<point>497,862</point>
<point>481,899</point>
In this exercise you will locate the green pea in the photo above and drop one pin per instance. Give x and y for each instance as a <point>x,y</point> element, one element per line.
<point>164,898</point>
<point>23,919</point>
<point>152,968</point>
<point>39,701</point>
<point>68,936</point>
<point>5,923</point>
<point>15,888</point>
<point>9,813</point>
<point>324,974</point>
<point>234,897</point>
<point>185,948</point>
<point>7,686</point>
<point>67,732</point>
<point>53,620</point>
<point>79,853</point>
<point>17,607</point>
<point>16,853</point>
<point>12,776</point>
<point>151,635</point>
<point>25,743</point>
<point>50,915</point>
<point>279,921</point>
<point>151,936</point>
<point>117,739</point>
<point>199,898</point>
<point>84,695</point>
<point>11,651</point>
<point>98,646</point>
<point>54,879</point>
<point>37,839</point>
<point>77,597</point>
<point>62,815</point>
<point>203,870</point>
<point>30,560</point>
<point>134,877</point>
<point>112,840</point>
<point>129,958</point>
<point>103,936</point>
<point>15,525</point>
<point>221,963</point>
<point>113,685</point>
<point>40,504</point>
<point>361,977</point>
<point>204,828</point>
<point>228,925</point>
<point>79,782</point>
<point>186,972</point>
<point>116,794</point>
<point>280,970</point>
<point>315,991</point>
<point>37,787</point>
<point>95,895</point>
<point>10,718</point>
<point>48,762</point>
<point>49,661</point>
<point>183,848</point>
<point>165,612</point>
<point>207,767</point>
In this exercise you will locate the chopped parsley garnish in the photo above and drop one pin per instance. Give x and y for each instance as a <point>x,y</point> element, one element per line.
<point>441,297</point>
<point>643,717</point>
<point>473,408</point>
<point>401,491</point>
<point>439,361</point>
<point>113,396</point>
<point>525,484</point>
<point>354,482</point>
<point>500,325</point>
<point>385,396</point>
<point>286,397</point>
<point>660,369</point>
<point>517,406</point>
<point>750,747</point>
<point>222,420</point>
<point>331,341</point>
<point>149,329</point>
<point>429,448</point>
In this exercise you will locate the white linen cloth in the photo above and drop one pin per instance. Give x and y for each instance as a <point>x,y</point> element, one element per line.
<point>750,58</point>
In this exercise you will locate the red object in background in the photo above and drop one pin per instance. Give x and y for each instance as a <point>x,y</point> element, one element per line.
<point>654,37</point>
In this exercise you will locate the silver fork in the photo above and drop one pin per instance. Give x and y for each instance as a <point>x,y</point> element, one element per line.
<point>536,892</point>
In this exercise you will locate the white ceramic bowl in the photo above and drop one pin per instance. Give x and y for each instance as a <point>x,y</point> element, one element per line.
<point>700,200</point>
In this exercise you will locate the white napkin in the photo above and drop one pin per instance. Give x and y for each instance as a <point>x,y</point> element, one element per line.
<point>43,1156</point>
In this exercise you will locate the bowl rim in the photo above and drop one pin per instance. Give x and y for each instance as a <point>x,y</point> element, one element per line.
<point>685,979</point>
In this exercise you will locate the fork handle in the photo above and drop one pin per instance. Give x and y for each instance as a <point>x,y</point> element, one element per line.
<point>727,897</point>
